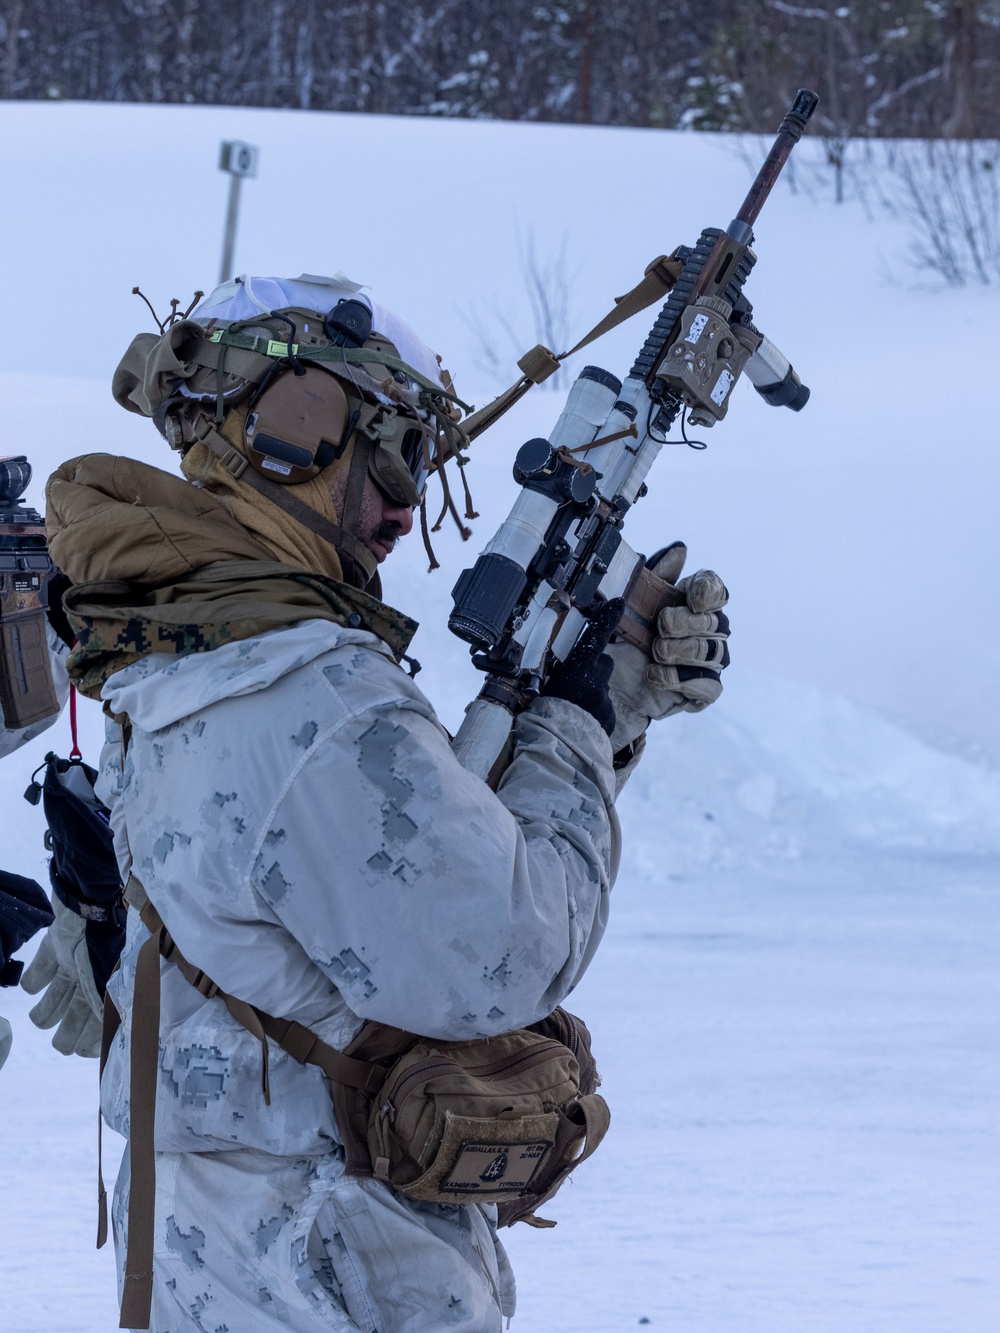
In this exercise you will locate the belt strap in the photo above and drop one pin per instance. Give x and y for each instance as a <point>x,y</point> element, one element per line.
<point>300,1042</point>
<point>137,1293</point>
<point>111,1022</point>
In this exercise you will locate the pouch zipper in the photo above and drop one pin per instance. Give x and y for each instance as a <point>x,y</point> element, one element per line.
<point>429,1069</point>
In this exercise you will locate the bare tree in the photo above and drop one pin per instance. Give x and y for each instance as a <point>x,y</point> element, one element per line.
<point>497,342</point>
<point>959,64</point>
<point>304,70</point>
<point>949,192</point>
<point>11,38</point>
<point>903,68</point>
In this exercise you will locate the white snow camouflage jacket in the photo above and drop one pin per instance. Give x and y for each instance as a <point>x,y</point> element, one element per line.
<point>294,811</point>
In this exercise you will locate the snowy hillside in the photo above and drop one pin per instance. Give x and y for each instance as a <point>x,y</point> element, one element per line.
<point>858,538</point>
<point>795,1008</point>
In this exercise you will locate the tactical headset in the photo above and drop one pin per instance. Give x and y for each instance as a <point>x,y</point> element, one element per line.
<point>301,419</point>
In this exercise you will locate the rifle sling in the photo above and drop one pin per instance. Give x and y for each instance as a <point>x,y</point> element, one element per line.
<point>540,362</point>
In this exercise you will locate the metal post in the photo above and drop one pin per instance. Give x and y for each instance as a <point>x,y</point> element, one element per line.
<point>239,160</point>
<point>229,237</point>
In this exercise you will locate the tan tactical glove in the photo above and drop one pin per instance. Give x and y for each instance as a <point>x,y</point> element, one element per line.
<point>689,652</point>
<point>62,965</point>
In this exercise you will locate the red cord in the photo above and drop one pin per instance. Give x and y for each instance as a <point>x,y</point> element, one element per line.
<point>76,752</point>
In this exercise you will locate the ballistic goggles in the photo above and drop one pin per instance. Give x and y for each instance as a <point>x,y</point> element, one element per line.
<point>402,458</point>
<point>301,424</point>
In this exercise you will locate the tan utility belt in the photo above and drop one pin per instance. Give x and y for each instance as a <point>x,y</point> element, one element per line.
<point>499,1120</point>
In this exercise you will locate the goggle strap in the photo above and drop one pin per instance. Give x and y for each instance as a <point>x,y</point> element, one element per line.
<point>361,355</point>
<point>352,356</point>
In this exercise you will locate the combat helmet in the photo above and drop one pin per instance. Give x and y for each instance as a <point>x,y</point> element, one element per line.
<point>287,379</point>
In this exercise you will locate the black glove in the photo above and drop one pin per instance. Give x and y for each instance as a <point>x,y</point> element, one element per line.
<point>56,584</point>
<point>583,678</point>
<point>24,909</point>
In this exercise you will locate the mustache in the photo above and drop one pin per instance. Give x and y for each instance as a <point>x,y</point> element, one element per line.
<point>388,532</point>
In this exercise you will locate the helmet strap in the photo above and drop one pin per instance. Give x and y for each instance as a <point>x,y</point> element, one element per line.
<point>339,536</point>
<point>356,478</point>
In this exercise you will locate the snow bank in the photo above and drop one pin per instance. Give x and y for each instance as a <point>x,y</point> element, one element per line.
<point>778,770</point>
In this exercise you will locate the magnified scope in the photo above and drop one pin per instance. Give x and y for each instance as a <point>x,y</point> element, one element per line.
<point>15,474</point>
<point>27,695</point>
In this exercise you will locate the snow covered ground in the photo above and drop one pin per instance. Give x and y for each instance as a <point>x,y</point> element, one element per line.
<point>795,1009</point>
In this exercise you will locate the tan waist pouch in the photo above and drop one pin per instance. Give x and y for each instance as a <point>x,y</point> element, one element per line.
<point>501,1120</point>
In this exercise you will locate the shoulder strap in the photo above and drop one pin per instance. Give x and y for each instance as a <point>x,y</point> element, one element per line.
<point>112,1021</point>
<point>300,1042</point>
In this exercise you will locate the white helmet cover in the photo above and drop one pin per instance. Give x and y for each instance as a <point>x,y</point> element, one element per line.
<point>245,296</point>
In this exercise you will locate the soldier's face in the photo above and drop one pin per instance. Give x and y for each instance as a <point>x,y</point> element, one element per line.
<point>381,522</point>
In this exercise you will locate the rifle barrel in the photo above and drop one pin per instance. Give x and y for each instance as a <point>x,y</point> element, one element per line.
<point>789,133</point>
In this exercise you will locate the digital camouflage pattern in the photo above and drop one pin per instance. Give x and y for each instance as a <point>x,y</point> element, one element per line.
<point>294,810</point>
<point>219,604</point>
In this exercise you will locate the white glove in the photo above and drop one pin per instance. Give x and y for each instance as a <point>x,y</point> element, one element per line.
<point>5,1040</point>
<point>689,651</point>
<point>62,964</point>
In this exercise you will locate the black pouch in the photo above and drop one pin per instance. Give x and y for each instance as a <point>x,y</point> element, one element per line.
<point>83,870</point>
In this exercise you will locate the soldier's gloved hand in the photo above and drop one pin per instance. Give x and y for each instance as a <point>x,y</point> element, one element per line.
<point>62,968</point>
<point>690,650</point>
<point>24,909</point>
<point>583,678</point>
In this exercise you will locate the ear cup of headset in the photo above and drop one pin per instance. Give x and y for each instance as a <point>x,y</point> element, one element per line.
<point>297,426</point>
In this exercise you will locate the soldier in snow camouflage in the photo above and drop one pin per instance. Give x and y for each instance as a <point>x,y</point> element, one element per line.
<point>294,811</point>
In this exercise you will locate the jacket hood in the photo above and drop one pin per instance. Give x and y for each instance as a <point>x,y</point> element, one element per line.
<point>161,568</point>
<point>116,518</point>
